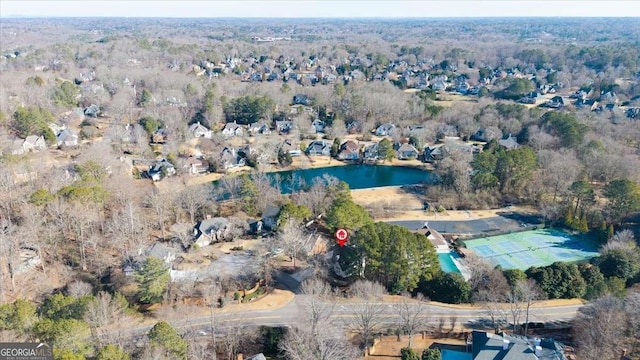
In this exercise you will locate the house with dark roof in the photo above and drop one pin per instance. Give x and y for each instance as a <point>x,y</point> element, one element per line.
<point>371,152</point>
<point>318,147</point>
<point>301,99</point>
<point>291,147</point>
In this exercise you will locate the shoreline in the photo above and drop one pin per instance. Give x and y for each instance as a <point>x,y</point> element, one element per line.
<point>299,163</point>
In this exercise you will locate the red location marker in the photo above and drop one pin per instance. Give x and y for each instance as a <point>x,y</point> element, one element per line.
<point>341,235</point>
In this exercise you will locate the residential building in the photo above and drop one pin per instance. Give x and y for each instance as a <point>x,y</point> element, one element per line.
<point>488,346</point>
<point>229,158</point>
<point>232,129</point>
<point>387,129</point>
<point>318,147</point>
<point>349,150</point>
<point>161,169</point>
<point>509,143</point>
<point>198,130</point>
<point>211,230</point>
<point>259,128</point>
<point>406,152</point>
<point>292,148</point>
<point>371,152</point>
<point>67,138</point>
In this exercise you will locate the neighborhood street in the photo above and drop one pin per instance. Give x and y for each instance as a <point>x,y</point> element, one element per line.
<point>292,314</point>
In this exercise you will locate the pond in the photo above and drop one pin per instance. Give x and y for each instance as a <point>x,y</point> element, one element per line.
<point>357,176</point>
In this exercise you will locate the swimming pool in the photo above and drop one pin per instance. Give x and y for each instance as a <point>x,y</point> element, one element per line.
<point>446,262</point>
<point>455,355</point>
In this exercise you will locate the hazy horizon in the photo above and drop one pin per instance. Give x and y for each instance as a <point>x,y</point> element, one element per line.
<point>401,9</point>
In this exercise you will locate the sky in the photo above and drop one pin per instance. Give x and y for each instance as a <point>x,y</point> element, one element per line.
<point>320,8</point>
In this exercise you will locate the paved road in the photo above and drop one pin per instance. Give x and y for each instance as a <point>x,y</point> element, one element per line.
<point>292,313</point>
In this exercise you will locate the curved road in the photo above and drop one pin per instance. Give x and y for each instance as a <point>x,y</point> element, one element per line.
<point>293,313</point>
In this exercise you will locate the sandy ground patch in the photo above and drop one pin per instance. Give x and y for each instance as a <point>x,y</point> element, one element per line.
<point>388,195</point>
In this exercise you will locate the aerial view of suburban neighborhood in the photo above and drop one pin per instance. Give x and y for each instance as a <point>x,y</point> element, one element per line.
<point>305,181</point>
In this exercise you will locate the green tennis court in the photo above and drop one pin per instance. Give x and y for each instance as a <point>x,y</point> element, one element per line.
<point>522,250</point>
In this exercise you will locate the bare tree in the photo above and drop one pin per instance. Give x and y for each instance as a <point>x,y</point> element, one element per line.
<point>600,322</point>
<point>524,294</point>
<point>160,206</point>
<point>495,307</point>
<point>316,336</point>
<point>366,318</point>
<point>413,314</point>
<point>293,239</point>
<point>193,199</point>
<point>300,344</point>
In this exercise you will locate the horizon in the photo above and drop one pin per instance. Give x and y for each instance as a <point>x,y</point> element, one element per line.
<point>314,9</point>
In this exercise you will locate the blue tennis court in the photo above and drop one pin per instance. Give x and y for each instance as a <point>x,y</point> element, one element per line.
<point>525,249</point>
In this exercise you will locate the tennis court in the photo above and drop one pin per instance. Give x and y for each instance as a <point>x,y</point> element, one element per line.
<point>525,249</point>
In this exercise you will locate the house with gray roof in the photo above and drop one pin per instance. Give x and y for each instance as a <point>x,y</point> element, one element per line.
<point>198,130</point>
<point>232,129</point>
<point>67,138</point>
<point>406,151</point>
<point>487,346</point>
<point>385,129</point>
<point>211,230</point>
<point>509,143</point>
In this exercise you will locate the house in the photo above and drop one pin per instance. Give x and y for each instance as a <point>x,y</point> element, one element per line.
<point>31,143</point>
<point>301,99</point>
<point>590,104</point>
<point>387,129</point>
<point>531,98</point>
<point>318,147</point>
<point>371,152</point>
<point>160,136</point>
<point>354,127</point>
<point>162,252</point>
<point>488,346</point>
<point>92,110</point>
<point>509,143</point>
<point>198,130</point>
<point>195,166</point>
<point>556,102</point>
<point>349,150</point>
<point>289,146</point>
<point>161,169</point>
<point>270,217</point>
<point>259,128</point>
<point>211,230</point>
<point>67,138</point>
<point>283,126</point>
<point>433,153</point>
<point>415,129</point>
<point>318,126</point>
<point>406,151</point>
<point>229,158</point>
<point>232,129</point>
<point>633,113</point>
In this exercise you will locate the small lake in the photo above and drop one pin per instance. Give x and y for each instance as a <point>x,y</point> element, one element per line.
<point>357,176</point>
